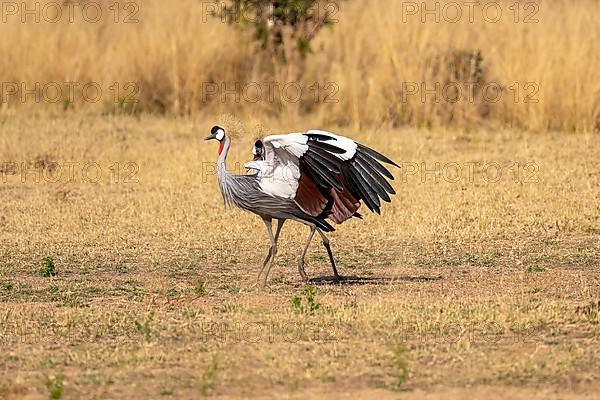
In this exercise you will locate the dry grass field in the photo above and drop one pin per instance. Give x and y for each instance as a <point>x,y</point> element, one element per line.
<point>384,62</point>
<point>481,280</point>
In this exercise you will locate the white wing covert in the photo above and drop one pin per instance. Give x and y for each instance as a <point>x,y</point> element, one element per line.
<point>280,171</point>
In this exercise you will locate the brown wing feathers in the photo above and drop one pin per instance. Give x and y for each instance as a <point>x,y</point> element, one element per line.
<point>343,204</point>
<point>309,197</point>
<point>332,187</point>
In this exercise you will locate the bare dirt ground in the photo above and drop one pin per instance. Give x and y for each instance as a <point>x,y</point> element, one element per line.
<point>481,280</point>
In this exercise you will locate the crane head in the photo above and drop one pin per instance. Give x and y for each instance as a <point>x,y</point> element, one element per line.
<point>216,133</point>
<point>258,150</point>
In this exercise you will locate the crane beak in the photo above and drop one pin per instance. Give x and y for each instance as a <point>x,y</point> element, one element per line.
<point>210,137</point>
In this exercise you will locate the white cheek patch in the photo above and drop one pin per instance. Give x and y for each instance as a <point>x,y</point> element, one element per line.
<point>220,134</point>
<point>254,151</point>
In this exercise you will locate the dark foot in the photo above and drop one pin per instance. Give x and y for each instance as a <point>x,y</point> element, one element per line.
<point>302,272</point>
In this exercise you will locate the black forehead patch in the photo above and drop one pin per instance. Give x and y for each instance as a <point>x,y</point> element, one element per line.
<point>215,129</point>
<point>258,144</point>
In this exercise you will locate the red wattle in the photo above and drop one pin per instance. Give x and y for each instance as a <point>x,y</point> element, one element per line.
<point>221,147</point>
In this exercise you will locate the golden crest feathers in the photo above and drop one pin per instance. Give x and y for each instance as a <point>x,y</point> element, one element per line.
<point>236,128</point>
<point>233,125</point>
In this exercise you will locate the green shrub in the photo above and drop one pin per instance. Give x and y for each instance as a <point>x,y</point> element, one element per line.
<point>277,23</point>
<point>55,386</point>
<point>199,288</point>
<point>310,305</point>
<point>47,269</point>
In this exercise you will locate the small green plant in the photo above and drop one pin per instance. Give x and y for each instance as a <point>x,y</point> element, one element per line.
<point>54,293</point>
<point>481,260</point>
<point>230,289</point>
<point>311,304</point>
<point>297,303</point>
<point>209,376</point>
<point>92,290</point>
<point>401,365</point>
<point>55,386</point>
<point>535,268</point>
<point>228,308</point>
<point>199,288</point>
<point>122,268</point>
<point>144,327</point>
<point>7,286</point>
<point>310,299</point>
<point>172,292</point>
<point>47,269</point>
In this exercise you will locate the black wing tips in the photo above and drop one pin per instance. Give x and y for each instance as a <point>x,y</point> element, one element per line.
<point>369,178</point>
<point>318,139</point>
<point>320,223</point>
<point>364,175</point>
<point>376,155</point>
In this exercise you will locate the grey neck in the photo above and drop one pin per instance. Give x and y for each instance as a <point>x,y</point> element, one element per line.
<point>222,173</point>
<point>222,160</point>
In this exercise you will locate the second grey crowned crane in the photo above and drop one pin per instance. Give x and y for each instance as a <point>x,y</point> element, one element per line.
<point>305,177</point>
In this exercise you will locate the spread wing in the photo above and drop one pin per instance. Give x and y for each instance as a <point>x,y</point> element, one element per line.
<point>327,175</point>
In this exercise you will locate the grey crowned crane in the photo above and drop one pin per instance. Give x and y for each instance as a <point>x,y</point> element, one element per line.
<point>305,177</point>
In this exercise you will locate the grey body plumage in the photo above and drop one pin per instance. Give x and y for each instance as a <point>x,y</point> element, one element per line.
<point>244,192</point>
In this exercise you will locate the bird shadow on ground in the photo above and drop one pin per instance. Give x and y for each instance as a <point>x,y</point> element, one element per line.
<point>372,280</point>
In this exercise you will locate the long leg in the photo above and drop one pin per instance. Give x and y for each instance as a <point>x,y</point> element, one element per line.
<point>280,223</point>
<point>303,254</point>
<point>268,223</point>
<point>336,276</point>
<point>274,240</point>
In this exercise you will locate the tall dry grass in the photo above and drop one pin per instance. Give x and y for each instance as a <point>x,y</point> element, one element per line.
<point>372,69</point>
